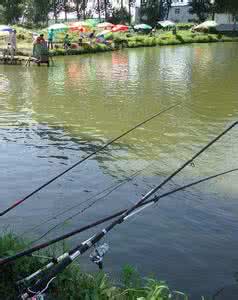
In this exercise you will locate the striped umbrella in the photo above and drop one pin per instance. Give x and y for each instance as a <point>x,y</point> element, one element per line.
<point>59,27</point>
<point>5,28</point>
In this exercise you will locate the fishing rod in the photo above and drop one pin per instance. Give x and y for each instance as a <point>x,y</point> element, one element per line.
<point>18,202</point>
<point>105,193</point>
<point>41,246</point>
<point>68,258</point>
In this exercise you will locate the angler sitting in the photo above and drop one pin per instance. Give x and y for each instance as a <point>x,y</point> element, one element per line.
<point>67,42</point>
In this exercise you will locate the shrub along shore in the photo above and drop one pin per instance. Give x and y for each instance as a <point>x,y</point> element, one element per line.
<point>73,284</point>
<point>121,41</point>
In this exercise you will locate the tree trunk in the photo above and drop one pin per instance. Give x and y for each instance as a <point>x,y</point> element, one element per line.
<point>77,10</point>
<point>99,10</point>
<point>84,9</point>
<point>129,11</point>
<point>105,9</point>
<point>122,5</point>
<point>234,25</point>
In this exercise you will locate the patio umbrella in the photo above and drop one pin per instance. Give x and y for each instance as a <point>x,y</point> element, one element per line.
<point>206,25</point>
<point>106,34</point>
<point>167,24</point>
<point>5,28</point>
<point>143,27</point>
<point>105,25</point>
<point>80,26</point>
<point>120,27</point>
<point>92,22</point>
<point>59,27</point>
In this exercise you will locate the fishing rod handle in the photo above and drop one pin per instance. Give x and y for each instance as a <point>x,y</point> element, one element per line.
<point>42,283</point>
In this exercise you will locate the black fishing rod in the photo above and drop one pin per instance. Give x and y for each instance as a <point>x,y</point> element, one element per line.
<point>68,258</point>
<point>104,220</point>
<point>100,196</point>
<point>18,202</point>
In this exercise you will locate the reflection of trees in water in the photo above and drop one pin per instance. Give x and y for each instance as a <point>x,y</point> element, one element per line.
<point>94,98</point>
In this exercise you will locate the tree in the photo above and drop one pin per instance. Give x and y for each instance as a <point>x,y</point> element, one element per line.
<point>12,10</point>
<point>201,8</point>
<point>56,7</point>
<point>37,11</point>
<point>150,12</point>
<point>131,3</point>
<point>66,9</point>
<point>228,6</point>
<point>119,16</point>
<point>164,8</point>
<point>81,6</point>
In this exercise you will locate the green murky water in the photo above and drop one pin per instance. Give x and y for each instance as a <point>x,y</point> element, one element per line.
<point>50,118</point>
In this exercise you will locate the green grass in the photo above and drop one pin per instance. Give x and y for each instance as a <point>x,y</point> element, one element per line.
<point>73,284</point>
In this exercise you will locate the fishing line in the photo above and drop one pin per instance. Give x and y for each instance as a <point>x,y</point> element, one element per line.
<point>59,264</point>
<point>29,251</point>
<point>113,188</point>
<point>19,202</point>
<point>68,258</point>
<point>90,205</point>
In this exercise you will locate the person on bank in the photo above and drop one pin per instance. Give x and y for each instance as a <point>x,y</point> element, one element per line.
<point>67,42</point>
<point>50,39</point>
<point>12,42</point>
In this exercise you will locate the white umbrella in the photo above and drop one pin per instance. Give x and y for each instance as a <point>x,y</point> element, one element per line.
<point>167,23</point>
<point>207,24</point>
<point>5,28</point>
<point>58,27</point>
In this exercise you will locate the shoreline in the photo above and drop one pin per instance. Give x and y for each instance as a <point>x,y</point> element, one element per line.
<point>121,41</point>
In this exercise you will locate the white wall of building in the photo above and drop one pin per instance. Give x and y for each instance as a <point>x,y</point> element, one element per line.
<point>225,22</point>
<point>224,19</point>
<point>179,12</point>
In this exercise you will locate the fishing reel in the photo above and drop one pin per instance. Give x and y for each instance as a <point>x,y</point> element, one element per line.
<point>98,254</point>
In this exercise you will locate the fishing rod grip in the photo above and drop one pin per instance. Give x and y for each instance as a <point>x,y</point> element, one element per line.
<point>42,283</point>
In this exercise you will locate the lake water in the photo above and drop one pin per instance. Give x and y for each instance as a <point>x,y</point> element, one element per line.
<point>52,117</point>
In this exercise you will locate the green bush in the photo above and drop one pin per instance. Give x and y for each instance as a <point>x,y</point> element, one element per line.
<point>184,26</point>
<point>72,284</point>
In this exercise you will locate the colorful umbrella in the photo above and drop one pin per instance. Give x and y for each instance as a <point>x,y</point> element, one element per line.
<point>5,28</point>
<point>80,26</point>
<point>143,27</point>
<point>106,34</point>
<point>167,24</point>
<point>120,27</point>
<point>92,22</point>
<point>59,27</point>
<point>105,25</point>
<point>206,25</point>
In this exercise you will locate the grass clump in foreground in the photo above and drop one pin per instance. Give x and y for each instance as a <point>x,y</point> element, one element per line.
<point>72,284</point>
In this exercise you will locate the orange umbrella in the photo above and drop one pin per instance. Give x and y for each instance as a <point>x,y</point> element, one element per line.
<point>105,25</point>
<point>79,26</point>
<point>120,27</point>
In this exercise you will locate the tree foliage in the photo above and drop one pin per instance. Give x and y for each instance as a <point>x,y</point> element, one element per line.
<point>230,6</point>
<point>119,16</point>
<point>150,12</point>
<point>164,8</point>
<point>37,11</point>
<point>12,10</point>
<point>201,8</point>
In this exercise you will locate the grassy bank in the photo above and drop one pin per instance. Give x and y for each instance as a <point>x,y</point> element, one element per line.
<point>72,284</point>
<point>120,41</point>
